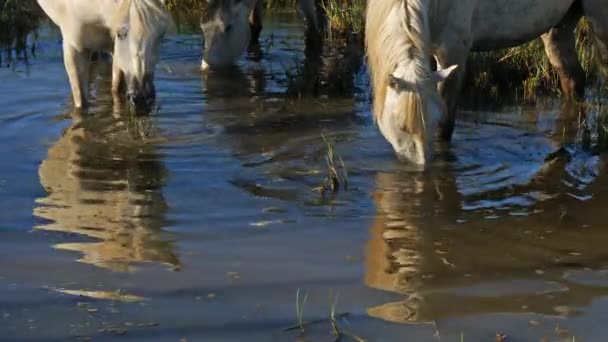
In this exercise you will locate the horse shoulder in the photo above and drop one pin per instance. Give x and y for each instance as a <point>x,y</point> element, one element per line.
<point>56,10</point>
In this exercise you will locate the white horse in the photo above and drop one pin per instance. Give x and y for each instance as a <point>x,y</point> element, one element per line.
<point>402,36</point>
<point>229,26</point>
<point>131,29</point>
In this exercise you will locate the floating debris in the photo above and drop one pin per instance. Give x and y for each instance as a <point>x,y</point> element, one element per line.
<point>233,275</point>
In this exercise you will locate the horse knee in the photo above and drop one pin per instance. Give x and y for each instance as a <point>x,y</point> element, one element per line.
<point>256,31</point>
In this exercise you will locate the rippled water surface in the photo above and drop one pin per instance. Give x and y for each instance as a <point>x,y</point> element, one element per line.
<point>200,222</point>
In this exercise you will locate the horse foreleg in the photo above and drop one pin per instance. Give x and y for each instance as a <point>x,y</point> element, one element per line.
<point>597,13</point>
<point>117,80</point>
<point>450,88</point>
<point>560,47</point>
<point>321,13</point>
<point>314,25</point>
<point>77,66</point>
<point>256,22</point>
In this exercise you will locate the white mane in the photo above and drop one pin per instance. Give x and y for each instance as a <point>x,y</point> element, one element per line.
<point>151,14</point>
<point>397,31</point>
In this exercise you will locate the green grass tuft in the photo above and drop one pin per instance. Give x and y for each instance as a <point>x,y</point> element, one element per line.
<point>345,16</point>
<point>523,71</point>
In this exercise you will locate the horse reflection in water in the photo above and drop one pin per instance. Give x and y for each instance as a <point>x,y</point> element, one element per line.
<point>104,182</point>
<point>259,111</point>
<point>448,262</point>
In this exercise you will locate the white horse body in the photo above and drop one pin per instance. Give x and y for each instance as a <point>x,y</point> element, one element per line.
<point>84,24</point>
<point>402,36</point>
<point>488,22</point>
<point>130,29</point>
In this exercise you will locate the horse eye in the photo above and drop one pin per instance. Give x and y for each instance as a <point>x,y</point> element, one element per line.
<point>393,82</point>
<point>122,33</point>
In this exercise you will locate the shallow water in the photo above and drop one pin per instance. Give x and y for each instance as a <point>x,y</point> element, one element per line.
<point>199,222</point>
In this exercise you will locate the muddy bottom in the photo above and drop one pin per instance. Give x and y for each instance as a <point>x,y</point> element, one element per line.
<point>201,222</point>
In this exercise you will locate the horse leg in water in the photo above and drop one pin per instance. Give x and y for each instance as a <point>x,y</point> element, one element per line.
<point>314,25</point>
<point>118,81</point>
<point>256,22</point>
<point>560,47</point>
<point>453,51</point>
<point>77,65</point>
<point>597,13</point>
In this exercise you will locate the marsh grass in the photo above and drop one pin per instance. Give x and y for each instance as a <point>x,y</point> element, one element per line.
<point>522,72</point>
<point>345,17</point>
<point>280,4</point>
<point>333,319</point>
<point>186,14</point>
<point>300,309</point>
<point>197,5</point>
<point>337,175</point>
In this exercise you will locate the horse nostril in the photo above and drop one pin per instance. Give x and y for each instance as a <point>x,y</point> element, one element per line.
<point>228,28</point>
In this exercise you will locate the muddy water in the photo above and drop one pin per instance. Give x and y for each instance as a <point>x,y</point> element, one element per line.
<point>199,222</point>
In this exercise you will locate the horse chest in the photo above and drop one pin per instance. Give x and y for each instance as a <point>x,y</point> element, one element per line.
<point>96,37</point>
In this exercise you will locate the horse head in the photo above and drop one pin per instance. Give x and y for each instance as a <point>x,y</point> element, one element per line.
<point>225,25</point>
<point>137,31</point>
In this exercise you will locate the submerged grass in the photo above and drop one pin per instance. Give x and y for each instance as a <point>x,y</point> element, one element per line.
<point>332,320</point>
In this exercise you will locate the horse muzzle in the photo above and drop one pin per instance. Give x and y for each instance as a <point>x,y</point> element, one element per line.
<point>141,94</point>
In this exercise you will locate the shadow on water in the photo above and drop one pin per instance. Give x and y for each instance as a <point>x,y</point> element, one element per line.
<point>104,181</point>
<point>258,117</point>
<point>327,70</point>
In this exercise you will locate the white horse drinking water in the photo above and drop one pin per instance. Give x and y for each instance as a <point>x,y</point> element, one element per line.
<point>229,26</point>
<point>130,29</point>
<point>413,104</point>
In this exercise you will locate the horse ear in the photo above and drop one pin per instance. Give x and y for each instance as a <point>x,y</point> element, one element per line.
<point>442,74</point>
